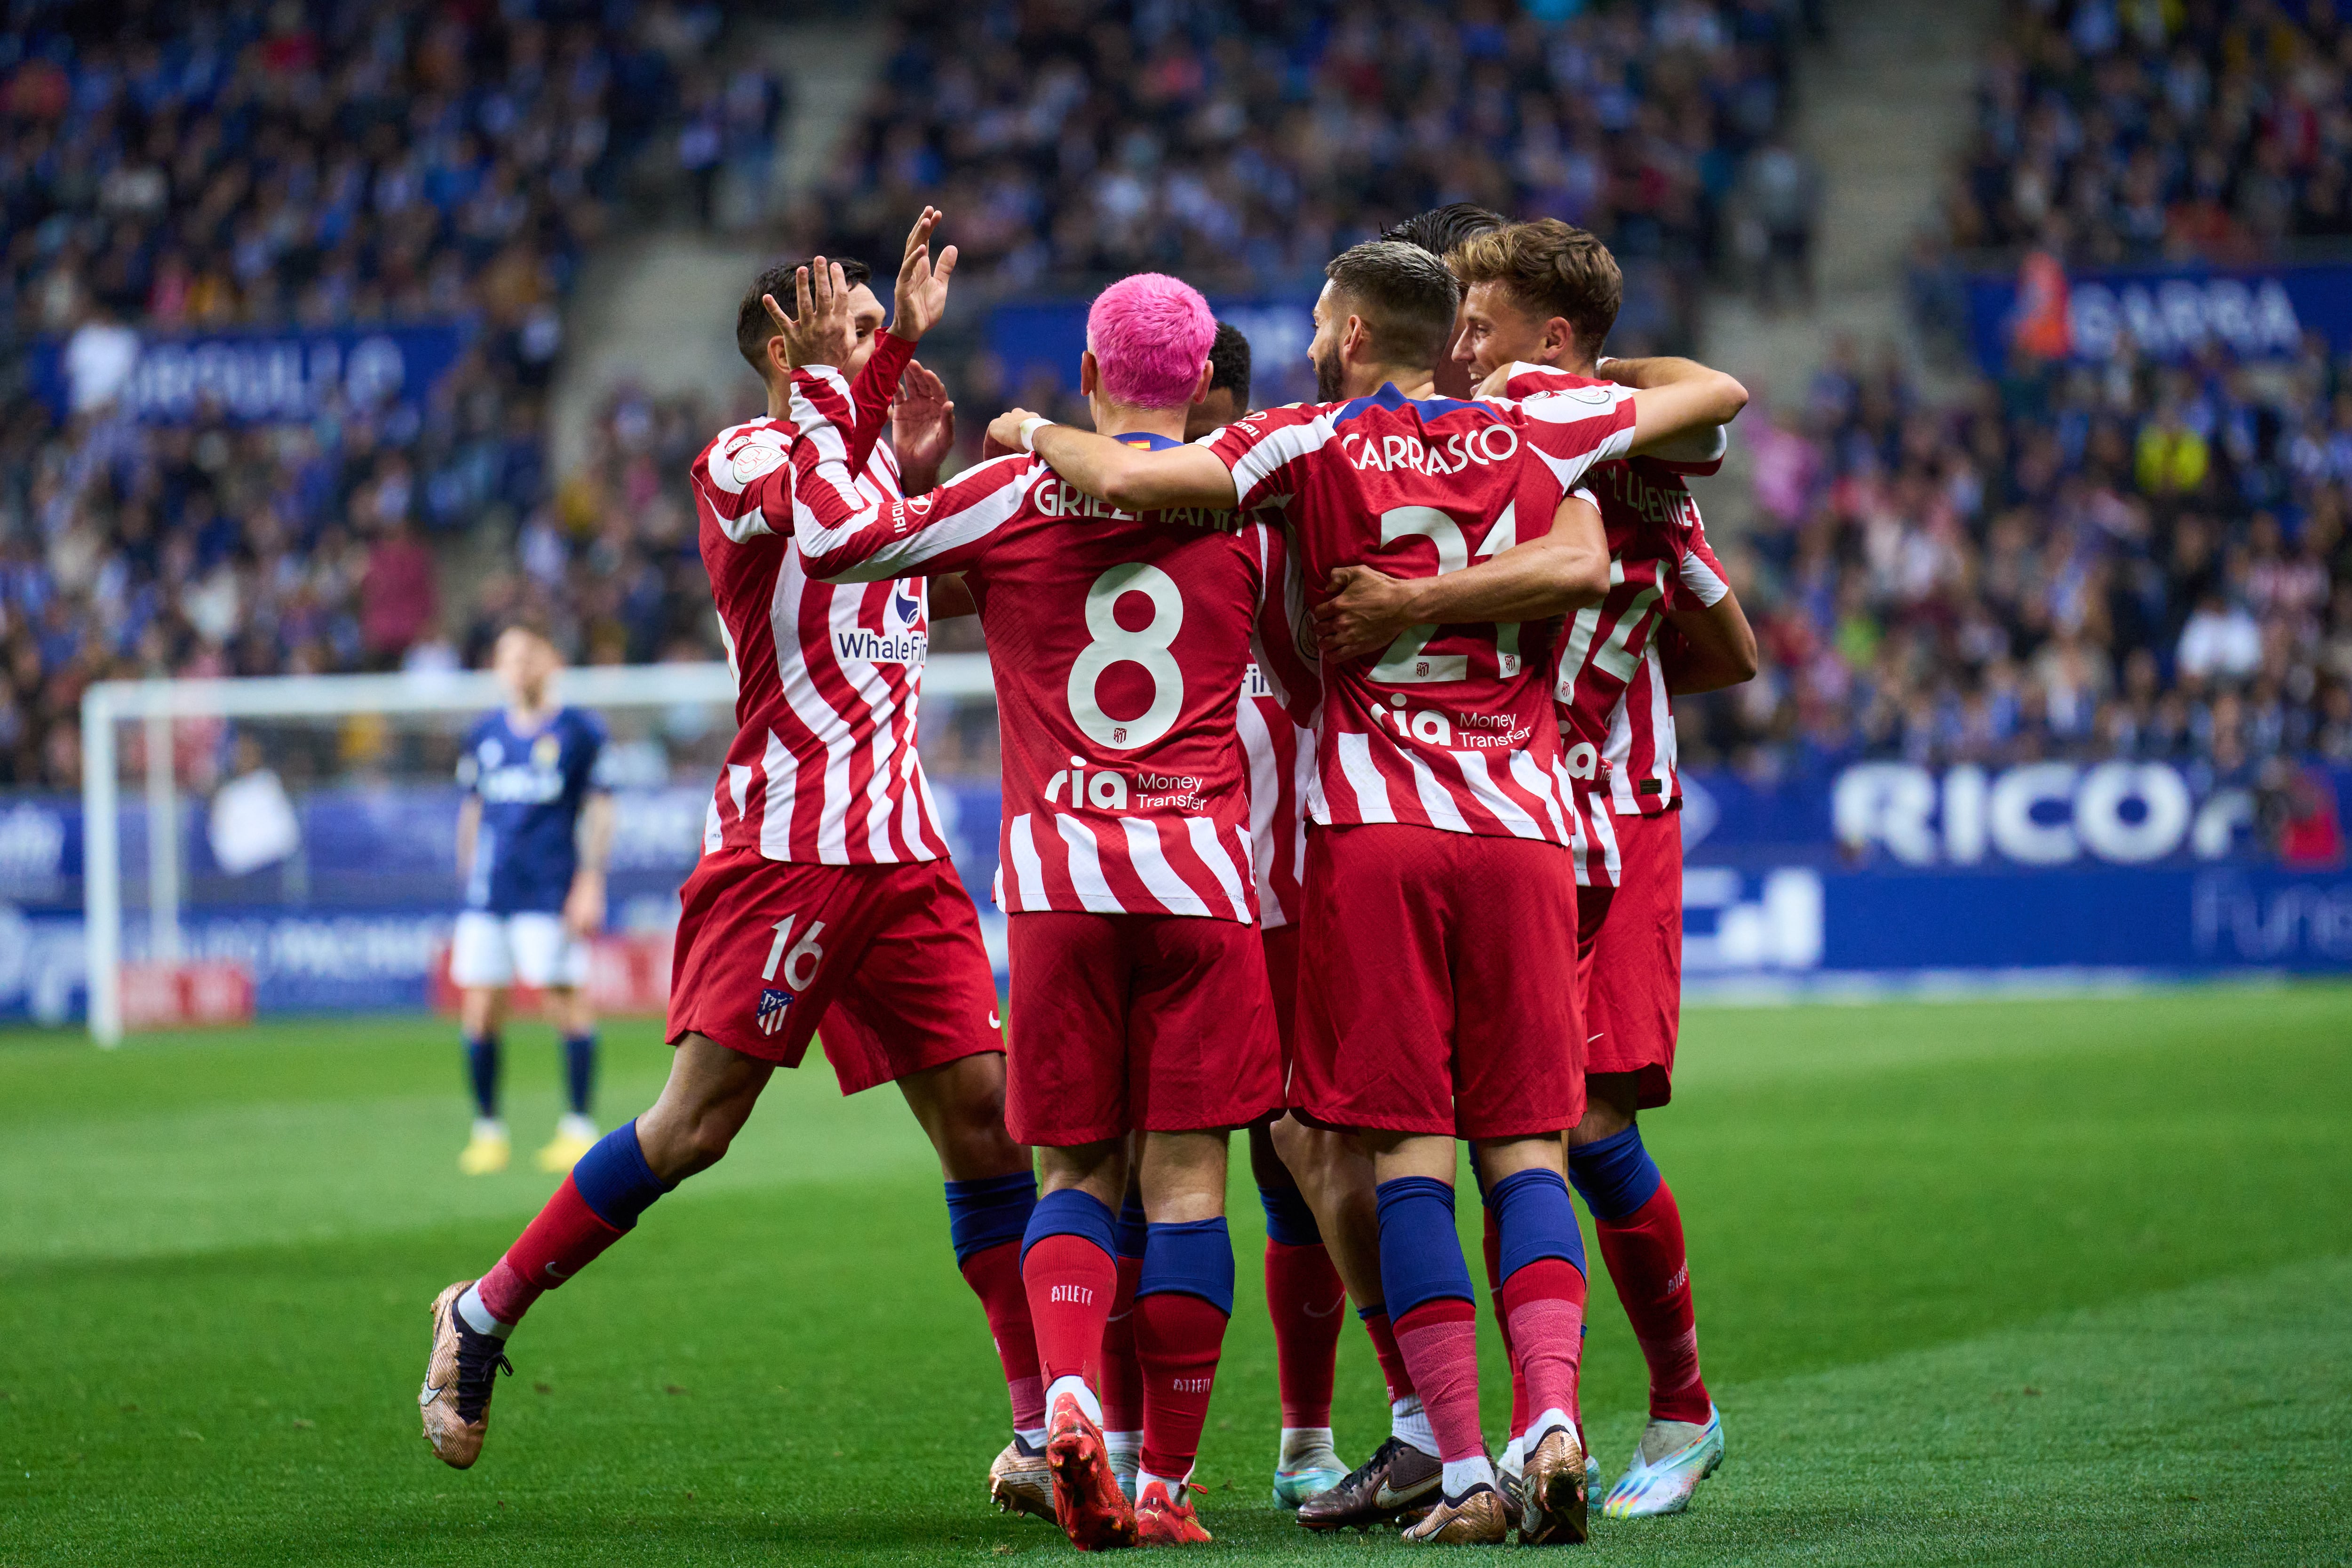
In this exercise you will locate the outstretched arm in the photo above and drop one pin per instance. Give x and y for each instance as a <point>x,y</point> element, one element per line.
<point>1553,574</point>
<point>1129,477</point>
<point>1676,398</point>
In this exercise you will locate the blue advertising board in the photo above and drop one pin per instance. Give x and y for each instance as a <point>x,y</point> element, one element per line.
<point>1879,873</point>
<point>2169,315</point>
<point>263,376</point>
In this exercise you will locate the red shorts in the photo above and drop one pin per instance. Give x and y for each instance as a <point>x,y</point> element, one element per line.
<point>886,958</point>
<point>1633,989</point>
<point>1127,1023</point>
<point>1282,977</point>
<point>1435,992</point>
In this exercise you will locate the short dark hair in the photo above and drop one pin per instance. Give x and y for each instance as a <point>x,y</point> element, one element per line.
<point>752,326</point>
<point>1404,294</point>
<point>1549,269</point>
<point>1440,229</point>
<point>1229,364</point>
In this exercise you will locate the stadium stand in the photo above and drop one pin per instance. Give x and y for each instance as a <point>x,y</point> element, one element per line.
<point>292,168</point>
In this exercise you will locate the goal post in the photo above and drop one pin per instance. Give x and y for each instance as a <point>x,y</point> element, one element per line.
<point>161,708</point>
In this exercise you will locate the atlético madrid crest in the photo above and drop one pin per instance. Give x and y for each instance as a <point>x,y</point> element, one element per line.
<point>772,1005</point>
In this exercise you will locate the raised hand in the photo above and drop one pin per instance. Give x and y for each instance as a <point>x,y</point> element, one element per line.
<point>1004,433</point>
<point>922,422</point>
<point>824,333</point>
<point>922,294</point>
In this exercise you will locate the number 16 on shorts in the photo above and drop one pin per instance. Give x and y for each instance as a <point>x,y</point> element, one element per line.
<point>798,961</point>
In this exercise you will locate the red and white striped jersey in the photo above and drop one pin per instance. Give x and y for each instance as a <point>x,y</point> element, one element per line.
<point>1451,727</point>
<point>827,678</point>
<point>1281,751</point>
<point>1120,643</point>
<point>1617,724</point>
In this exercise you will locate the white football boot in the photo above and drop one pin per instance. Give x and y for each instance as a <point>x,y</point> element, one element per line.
<point>1668,1464</point>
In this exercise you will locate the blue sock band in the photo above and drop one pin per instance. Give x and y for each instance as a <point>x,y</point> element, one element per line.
<point>580,1070</point>
<point>1614,1176</point>
<point>1192,1258</point>
<point>1132,1229</point>
<point>1070,1212</point>
<point>1536,1219</point>
<point>1289,1220</point>
<point>1420,1255</point>
<point>482,1073</point>
<point>615,1180</point>
<point>989,1211</point>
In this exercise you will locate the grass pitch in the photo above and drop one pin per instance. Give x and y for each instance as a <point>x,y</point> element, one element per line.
<point>2011,1281</point>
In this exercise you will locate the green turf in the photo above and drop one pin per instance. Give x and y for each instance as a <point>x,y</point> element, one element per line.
<point>2046,1281</point>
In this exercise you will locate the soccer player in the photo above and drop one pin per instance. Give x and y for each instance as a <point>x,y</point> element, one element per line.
<point>1539,298</point>
<point>823,893</point>
<point>532,837</point>
<point>1442,817</point>
<point>1140,996</point>
<point>1439,231</point>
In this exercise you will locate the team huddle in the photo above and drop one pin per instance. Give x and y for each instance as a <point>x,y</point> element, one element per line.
<point>1340,807</point>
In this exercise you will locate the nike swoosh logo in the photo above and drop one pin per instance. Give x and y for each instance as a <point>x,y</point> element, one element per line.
<point>993,1021</point>
<point>555,1273</point>
<point>1386,1498</point>
<point>429,1395</point>
<point>1325,1311</point>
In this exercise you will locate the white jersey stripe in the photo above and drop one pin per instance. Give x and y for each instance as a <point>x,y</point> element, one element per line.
<point>1086,868</point>
<point>1372,790</point>
<point>739,784</point>
<point>1028,868</point>
<point>1531,779</point>
<point>1221,865</point>
<point>1152,868</point>
<point>1510,813</point>
<point>1442,812</point>
<point>1257,744</point>
<point>1604,840</point>
<point>783,770</point>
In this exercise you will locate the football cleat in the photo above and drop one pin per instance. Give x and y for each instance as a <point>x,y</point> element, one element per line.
<point>1020,1482</point>
<point>1673,1457</point>
<point>1312,1467</point>
<point>1163,1521</point>
<point>460,1373</point>
<point>1398,1480</point>
<point>574,1136</point>
<point>1552,1494</point>
<point>487,1151</point>
<point>1087,1503</point>
<point>1476,1518</point>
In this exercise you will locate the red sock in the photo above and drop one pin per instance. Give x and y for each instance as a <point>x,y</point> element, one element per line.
<point>1177,1341</point>
<point>566,1238</point>
<point>1519,1411</point>
<point>1440,1340</point>
<point>1544,1301</point>
<point>1303,1295</point>
<point>1070,1281</point>
<point>994,1275</point>
<point>1122,1375</point>
<point>1393,1371</point>
<point>1648,1265</point>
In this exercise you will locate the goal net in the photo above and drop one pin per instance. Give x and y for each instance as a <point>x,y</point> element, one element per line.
<point>289,843</point>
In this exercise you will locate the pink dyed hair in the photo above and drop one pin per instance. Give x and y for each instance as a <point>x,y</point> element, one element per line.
<point>1150,334</point>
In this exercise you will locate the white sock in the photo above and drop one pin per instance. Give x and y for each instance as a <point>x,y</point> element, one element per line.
<point>1304,1442</point>
<point>576,1125</point>
<point>1410,1421</point>
<point>1143,1479</point>
<point>478,1317</point>
<point>1033,1435</point>
<point>1515,1455</point>
<point>1543,1424</point>
<point>1461,1475</point>
<point>1071,1383</point>
<point>488,1127</point>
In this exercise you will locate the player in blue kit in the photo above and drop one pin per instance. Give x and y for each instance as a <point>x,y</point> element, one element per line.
<point>532,839</point>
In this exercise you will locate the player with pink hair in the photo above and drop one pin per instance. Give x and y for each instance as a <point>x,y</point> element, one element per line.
<point>1142,1021</point>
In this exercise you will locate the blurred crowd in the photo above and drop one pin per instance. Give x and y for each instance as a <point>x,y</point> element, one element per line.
<point>2115,131</point>
<point>2142,562</point>
<point>285,167</point>
<point>1242,144</point>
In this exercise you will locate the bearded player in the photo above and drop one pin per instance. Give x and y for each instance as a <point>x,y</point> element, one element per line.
<point>1141,1016</point>
<point>823,893</point>
<point>1440,854</point>
<point>1539,298</point>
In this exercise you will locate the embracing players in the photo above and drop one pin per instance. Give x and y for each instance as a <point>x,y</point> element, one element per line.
<point>1439,860</point>
<point>1120,642</point>
<point>824,892</point>
<point>533,833</point>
